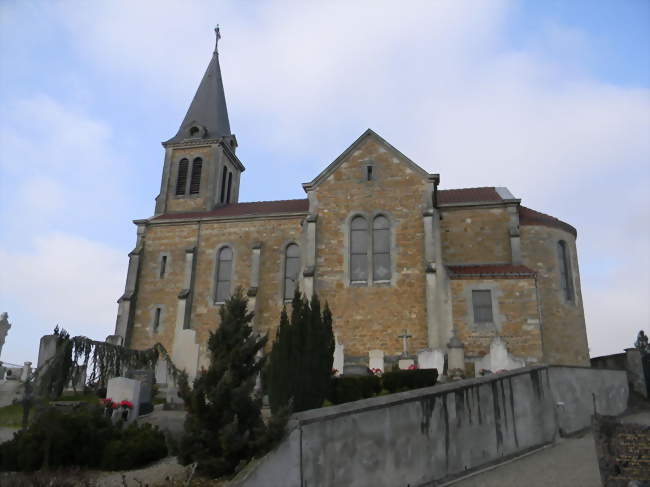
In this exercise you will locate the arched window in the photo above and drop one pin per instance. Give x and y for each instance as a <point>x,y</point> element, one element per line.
<point>195,181</point>
<point>291,270</point>
<point>359,250</point>
<point>224,275</point>
<point>381,249</point>
<point>566,281</point>
<point>224,173</point>
<point>181,178</point>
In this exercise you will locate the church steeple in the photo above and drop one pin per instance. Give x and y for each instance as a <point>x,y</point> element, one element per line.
<point>207,117</point>
<point>201,170</point>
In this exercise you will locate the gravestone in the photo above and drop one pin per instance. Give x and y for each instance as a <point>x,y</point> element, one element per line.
<point>376,360</point>
<point>355,369</point>
<point>406,363</point>
<point>339,357</point>
<point>431,359</point>
<point>4,329</point>
<point>145,376</point>
<point>46,349</point>
<point>27,371</point>
<point>125,389</point>
<point>499,358</point>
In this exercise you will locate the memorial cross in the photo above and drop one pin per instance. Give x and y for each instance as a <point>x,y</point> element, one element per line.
<point>405,336</point>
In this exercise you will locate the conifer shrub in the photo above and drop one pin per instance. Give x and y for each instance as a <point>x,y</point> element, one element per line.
<point>403,380</point>
<point>80,438</point>
<point>352,388</point>
<point>300,366</point>
<point>224,428</point>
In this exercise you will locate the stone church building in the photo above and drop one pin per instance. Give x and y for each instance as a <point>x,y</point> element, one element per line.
<point>391,252</point>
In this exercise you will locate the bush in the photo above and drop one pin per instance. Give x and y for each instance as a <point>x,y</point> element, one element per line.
<point>352,388</point>
<point>402,380</point>
<point>137,445</point>
<point>79,437</point>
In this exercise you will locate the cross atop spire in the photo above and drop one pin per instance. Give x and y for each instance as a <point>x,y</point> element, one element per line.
<point>218,35</point>
<point>207,116</point>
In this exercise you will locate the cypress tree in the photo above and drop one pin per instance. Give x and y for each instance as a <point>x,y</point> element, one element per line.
<point>301,359</point>
<point>224,427</point>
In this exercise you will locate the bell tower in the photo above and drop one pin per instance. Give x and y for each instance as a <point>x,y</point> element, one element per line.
<point>201,170</point>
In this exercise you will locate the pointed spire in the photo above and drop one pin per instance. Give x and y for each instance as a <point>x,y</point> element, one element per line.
<point>207,116</point>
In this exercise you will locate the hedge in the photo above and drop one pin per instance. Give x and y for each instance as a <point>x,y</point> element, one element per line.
<point>403,380</point>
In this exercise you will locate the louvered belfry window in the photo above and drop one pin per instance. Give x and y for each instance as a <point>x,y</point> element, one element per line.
<point>224,275</point>
<point>181,179</point>
<point>224,173</point>
<point>195,181</point>
<point>381,249</point>
<point>359,250</point>
<point>482,303</point>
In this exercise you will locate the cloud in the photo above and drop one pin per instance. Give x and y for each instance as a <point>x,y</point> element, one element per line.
<point>64,279</point>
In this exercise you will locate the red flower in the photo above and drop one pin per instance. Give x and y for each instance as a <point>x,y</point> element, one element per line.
<point>126,404</point>
<point>413,367</point>
<point>114,405</point>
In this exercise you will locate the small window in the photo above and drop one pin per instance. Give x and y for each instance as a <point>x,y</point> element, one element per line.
<point>381,249</point>
<point>482,304</point>
<point>368,173</point>
<point>163,266</point>
<point>359,250</point>
<point>156,320</point>
<point>224,173</point>
<point>181,179</point>
<point>224,275</point>
<point>566,281</point>
<point>194,131</point>
<point>229,187</point>
<point>291,270</point>
<point>195,181</point>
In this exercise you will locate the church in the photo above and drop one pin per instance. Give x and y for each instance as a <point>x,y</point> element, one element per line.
<point>407,267</point>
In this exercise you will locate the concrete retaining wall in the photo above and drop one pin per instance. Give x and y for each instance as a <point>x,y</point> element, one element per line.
<point>431,435</point>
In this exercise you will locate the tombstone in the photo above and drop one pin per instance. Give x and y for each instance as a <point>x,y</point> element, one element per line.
<point>79,383</point>
<point>46,349</point>
<point>4,329</point>
<point>146,377</point>
<point>339,357</point>
<point>114,340</point>
<point>124,389</point>
<point>456,358</point>
<point>406,363</point>
<point>376,360</point>
<point>499,358</point>
<point>431,359</point>
<point>355,369</point>
<point>27,371</point>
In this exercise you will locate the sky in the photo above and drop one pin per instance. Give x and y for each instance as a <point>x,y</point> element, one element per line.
<point>550,99</point>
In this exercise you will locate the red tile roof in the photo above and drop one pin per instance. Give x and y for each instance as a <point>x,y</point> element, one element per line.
<point>245,209</point>
<point>468,195</point>
<point>532,217</point>
<point>490,271</point>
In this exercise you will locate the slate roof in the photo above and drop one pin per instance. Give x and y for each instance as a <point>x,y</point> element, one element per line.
<point>490,271</point>
<point>208,108</point>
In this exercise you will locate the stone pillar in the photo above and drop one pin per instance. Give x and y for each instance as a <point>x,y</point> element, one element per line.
<point>515,238</point>
<point>185,351</point>
<point>255,279</point>
<point>4,329</point>
<point>310,257</point>
<point>46,349</point>
<point>27,371</point>
<point>455,358</point>
<point>126,302</point>
<point>634,369</point>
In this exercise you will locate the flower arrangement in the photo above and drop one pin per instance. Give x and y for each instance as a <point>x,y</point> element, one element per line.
<point>413,367</point>
<point>109,406</point>
<point>126,407</point>
<point>376,371</point>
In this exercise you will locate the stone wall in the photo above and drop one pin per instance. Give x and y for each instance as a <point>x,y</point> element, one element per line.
<point>372,316</point>
<point>564,334</point>
<point>515,312</point>
<point>475,236</point>
<point>431,435</point>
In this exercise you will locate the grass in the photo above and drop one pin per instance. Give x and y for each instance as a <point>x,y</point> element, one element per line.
<point>11,416</point>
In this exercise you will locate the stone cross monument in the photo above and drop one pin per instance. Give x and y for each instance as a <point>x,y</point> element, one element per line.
<point>4,329</point>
